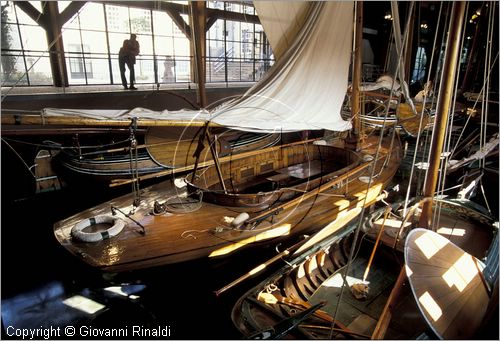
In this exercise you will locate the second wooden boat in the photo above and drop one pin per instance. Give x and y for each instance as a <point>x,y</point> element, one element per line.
<point>159,149</point>
<point>326,272</point>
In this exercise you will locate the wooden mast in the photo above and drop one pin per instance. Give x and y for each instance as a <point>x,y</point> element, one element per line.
<point>443,107</point>
<point>356,75</point>
<point>199,19</point>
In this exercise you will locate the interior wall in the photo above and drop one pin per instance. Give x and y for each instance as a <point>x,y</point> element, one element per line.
<point>154,100</point>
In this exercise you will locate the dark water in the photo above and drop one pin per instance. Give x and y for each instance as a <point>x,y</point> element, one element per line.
<point>38,275</point>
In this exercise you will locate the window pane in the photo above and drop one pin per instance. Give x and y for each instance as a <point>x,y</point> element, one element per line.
<point>181,47</point>
<point>233,30</point>
<point>24,18</point>
<point>182,70</point>
<point>12,68</point>
<point>95,41</point>
<point>10,37</point>
<point>247,71</point>
<point>166,69</point>
<point>178,32</point>
<point>34,38</point>
<point>233,70</point>
<point>62,5</point>
<point>71,38</point>
<point>116,42</point>
<point>146,44</point>
<point>118,19</point>
<point>98,73</point>
<point>162,24</point>
<point>140,20</point>
<point>39,70</point>
<point>10,15</point>
<point>217,30</point>
<point>164,46</point>
<point>116,71</point>
<point>92,17</point>
<point>144,72</point>
<point>216,70</point>
<point>233,50</point>
<point>73,23</point>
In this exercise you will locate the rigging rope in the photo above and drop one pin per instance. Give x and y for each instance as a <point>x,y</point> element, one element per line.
<point>361,215</point>
<point>421,119</point>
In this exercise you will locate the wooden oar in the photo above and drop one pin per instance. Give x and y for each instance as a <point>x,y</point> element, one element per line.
<point>379,235</point>
<point>386,316</point>
<point>259,268</point>
<point>274,298</point>
<point>339,330</point>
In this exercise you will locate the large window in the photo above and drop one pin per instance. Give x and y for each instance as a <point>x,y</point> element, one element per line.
<point>25,58</point>
<point>236,51</point>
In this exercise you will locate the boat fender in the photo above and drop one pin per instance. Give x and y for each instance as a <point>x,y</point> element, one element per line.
<point>92,237</point>
<point>240,219</point>
<point>180,182</point>
<point>367,158</point>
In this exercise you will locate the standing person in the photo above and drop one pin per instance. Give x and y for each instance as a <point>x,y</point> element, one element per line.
<point>127,54</point>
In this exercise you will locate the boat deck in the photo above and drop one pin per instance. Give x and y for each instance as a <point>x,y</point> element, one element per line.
<point>361,316</point>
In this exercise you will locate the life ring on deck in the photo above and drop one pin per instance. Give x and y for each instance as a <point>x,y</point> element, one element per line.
<point>92,237</point>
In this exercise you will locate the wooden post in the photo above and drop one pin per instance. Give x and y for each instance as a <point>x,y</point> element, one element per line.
<point>53,27</point>
<point>409,45</point>
<point>443,107</point>
<point>198,23</point>
<point>356,74</point>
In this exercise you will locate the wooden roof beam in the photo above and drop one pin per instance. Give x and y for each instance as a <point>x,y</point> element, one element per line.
<point>71,10</point>
<point>31,11</point>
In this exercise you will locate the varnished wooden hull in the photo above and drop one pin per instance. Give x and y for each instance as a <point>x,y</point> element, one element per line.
<point>164,148</point>
<point>175,237</point>
<point>314,275</point>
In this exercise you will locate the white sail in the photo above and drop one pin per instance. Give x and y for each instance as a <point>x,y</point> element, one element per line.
<point>305,89</point>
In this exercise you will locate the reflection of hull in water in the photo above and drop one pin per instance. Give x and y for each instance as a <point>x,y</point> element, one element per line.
<point>173,236</point>
<point>316,275</point>
<point>165,148</point>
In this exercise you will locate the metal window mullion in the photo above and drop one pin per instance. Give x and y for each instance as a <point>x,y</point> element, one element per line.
<point>253,52</point>
<point>22,48</point>
<point>110,65</point>
<point>155,65</point>
<point>82,51</point>
<point>225,49</point>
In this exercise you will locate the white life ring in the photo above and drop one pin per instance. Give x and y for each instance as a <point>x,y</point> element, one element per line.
<point>92,237</point>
